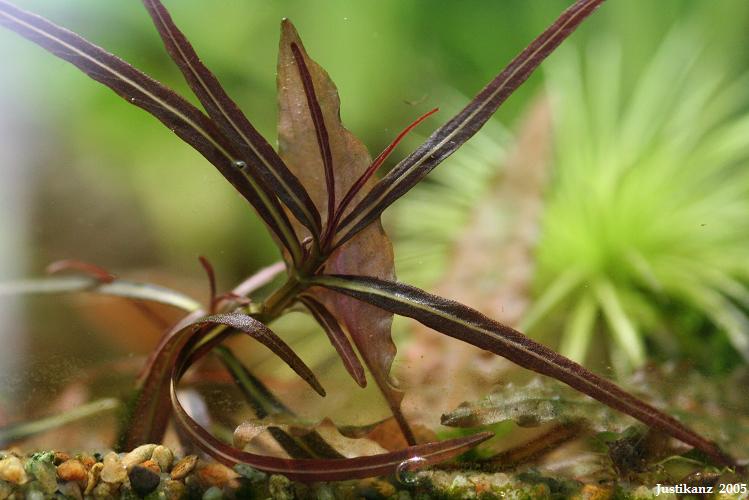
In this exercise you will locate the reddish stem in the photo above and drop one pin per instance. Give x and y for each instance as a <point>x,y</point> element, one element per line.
<point>96,272</point>
<point>211,282</point>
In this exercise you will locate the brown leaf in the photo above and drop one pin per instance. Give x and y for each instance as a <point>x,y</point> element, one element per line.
<point>370,253</point>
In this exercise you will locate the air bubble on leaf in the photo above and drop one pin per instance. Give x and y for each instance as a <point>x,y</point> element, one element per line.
<point>240,164</point>
<point>404,472</point>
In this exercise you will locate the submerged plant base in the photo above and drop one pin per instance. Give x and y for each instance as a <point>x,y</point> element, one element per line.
<point>152,471</point>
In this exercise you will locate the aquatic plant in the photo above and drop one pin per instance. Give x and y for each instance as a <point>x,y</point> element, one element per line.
<point>653,255</point>
<point>320,200</point>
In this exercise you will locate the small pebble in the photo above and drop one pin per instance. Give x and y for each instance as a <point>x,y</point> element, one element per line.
<point>163,456</point>
<point>5,489</point>
<point>61,456</point>
<point>215,474</point>
<point>87,460</point>
<point>41,466</point>
<point>213,493</point>
<point>113,471</point>
<point>593,492</point>
<point>138,455</point>
<point>184,467</point>
<point>34,495</point>
<point>104,490</point>
<point>172,490</point>
<point>11,470</point>
<point>70,489</point>
<point>280,488</point>
<point>143,480</point>
<point>73,470</point>
<point>93,477</point>
<point>151,465</point>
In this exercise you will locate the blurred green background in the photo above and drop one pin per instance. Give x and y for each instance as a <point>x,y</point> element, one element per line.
<point>86,176</point>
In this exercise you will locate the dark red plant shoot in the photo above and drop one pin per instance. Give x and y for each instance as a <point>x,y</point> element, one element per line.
<point>319,197</point>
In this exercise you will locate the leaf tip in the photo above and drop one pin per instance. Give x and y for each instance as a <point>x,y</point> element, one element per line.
<point>288,30</point>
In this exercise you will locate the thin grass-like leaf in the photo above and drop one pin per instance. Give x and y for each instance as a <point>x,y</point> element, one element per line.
<point>16,432</point>
<point>149,414</point>
<point>338,338</point>
<point>448,138</point>
<point>262,160</point>
<point>557,291</point>
<point>624,332</point>
<point>466,324</point>
<point>579,331</point>
<point>118,288</point>
<point>184,119</point>
<point>262,401</point>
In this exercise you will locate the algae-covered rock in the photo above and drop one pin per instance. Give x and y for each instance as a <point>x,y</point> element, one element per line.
<point>41,466</point>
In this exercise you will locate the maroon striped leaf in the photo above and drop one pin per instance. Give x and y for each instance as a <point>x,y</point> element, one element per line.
<point>466,324</point>
<point>453,134</point>
<point>321,131</point>
<point>150,412</point>
<point>184,119</point>
<point>338,338</point>
<point>262,160</point>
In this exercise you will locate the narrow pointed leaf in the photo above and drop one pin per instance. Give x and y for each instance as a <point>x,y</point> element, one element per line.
<point>321,131</point>
<point>338,338</point>
<point>118,288</point>
<point>466,324</point>
<point>453,134</point>
<point>184,119</point>
<point>264,403</point>
<point>26,429</point>
<point>150,416</point>
<point>262,160</point>
<point>370,253</point>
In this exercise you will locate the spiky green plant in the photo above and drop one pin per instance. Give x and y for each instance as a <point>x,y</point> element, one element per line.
<point>646,232</point>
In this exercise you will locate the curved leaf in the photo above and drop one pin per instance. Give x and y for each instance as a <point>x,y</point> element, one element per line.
<point>453,134</point>
<point>149,415</point>
<point>466,324</point>
<point>320,469</point>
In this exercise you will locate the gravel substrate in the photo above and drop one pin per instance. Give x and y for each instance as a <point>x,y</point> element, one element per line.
<point>153,472</point>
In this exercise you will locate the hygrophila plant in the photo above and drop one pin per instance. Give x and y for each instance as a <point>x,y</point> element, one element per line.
<point>319,198</point>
